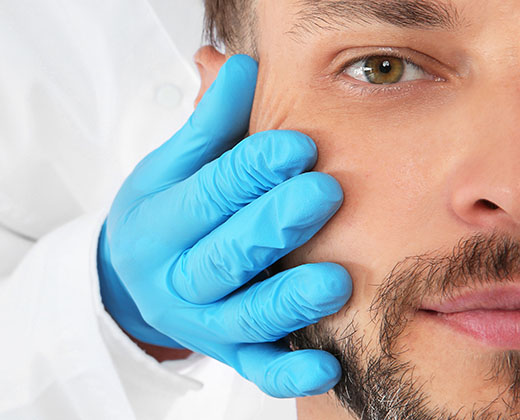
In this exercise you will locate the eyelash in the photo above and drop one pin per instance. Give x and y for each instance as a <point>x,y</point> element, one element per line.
<point>366,88</point>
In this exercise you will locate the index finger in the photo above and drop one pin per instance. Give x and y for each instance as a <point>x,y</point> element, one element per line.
<point>218,123</point>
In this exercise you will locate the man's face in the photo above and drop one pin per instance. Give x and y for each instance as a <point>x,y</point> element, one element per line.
<point>429,164</point>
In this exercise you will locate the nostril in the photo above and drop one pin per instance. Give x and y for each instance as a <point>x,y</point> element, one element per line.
<point>486,204</point>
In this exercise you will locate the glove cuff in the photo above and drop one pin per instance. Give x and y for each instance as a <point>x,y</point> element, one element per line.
<point>119,303</point>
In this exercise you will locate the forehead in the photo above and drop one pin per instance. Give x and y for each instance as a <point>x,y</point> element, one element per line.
<point>291,27</point>
<point>322,15</point>
<point>328,14</point>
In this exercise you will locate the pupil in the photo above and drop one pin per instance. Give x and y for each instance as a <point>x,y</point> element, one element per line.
<point>385,67</point>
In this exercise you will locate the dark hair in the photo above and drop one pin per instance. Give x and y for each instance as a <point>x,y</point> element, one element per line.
<point>230,24</point>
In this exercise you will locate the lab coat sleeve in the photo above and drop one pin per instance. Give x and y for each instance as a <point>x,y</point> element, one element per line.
<point>61,352</point>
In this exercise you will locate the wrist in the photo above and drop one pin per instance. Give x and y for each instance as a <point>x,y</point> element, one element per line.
<point>159,353</point>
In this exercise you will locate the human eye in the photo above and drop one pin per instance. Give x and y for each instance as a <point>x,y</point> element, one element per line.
<point>387,73</point>
<point>386,70</point>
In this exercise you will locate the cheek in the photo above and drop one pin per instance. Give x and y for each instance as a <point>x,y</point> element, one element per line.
<point>389,173</point>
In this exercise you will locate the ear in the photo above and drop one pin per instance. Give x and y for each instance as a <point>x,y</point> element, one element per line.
<point>208,61</point>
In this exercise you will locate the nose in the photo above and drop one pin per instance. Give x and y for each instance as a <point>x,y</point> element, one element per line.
<point>486,189</point>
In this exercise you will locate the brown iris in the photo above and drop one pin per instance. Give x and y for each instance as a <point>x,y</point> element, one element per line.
<point>383,70</point>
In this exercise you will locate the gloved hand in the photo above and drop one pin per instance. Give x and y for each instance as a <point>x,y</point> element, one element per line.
<point>195,222</point>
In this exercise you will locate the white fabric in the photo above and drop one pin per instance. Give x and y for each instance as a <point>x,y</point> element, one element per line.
<point>63,357</point>
<point>88,87</point>
<point>82,88</point>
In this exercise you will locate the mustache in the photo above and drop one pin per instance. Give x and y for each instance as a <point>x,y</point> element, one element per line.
<point>369,374</point>
<point>474,261</point>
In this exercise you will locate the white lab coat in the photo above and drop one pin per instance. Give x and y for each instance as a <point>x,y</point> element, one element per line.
<point>88,87</point>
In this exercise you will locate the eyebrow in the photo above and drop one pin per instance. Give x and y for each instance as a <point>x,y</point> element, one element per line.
<point>318,15</point>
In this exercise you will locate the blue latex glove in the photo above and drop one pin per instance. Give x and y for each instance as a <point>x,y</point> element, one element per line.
<point>196,221</point>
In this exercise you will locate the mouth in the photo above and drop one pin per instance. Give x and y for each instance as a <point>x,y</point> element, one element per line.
<point>490,316</point>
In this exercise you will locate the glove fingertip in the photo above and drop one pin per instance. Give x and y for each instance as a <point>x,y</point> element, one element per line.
<point>330,188</point>
<point>338,283</point>
<point>322,372</point>
<point>247,64</point>
<point>303,373</point>
<point>229,99</point>
<point>322,288</point>
<point>320,196</point>
<point>297,151</point>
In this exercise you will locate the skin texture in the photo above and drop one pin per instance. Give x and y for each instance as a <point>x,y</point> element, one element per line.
<point>415,163</point>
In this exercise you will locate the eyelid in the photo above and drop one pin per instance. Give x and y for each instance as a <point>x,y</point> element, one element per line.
<point>393,54</point>
<point>445,75</point>
<point>426,63</point>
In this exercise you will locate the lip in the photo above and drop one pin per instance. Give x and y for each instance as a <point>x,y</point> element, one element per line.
<point>491,316</point>
<point>505,297</point>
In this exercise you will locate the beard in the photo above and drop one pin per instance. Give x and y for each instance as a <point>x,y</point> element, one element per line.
<point>379,384</point>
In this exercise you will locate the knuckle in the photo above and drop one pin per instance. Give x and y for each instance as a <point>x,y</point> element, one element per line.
<point>251,166</point>
<point>220,264</point>
<point>303,296</point>
<point>276,381</point>
<point>182,280</point>
<point>234,179</point>
<point>254,324</point>
<point>189,275</point>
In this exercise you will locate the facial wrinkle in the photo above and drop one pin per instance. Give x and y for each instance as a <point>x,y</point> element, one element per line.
<point>272,106</point>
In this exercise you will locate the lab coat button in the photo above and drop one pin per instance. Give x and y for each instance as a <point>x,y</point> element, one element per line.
<point>169,96</point>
